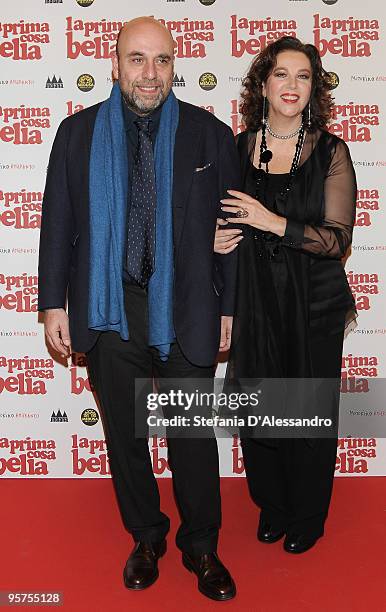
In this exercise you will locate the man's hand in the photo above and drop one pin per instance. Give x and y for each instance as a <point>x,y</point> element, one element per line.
<point>226,333</point>
<point>57,331</point>
<point>226,240</point>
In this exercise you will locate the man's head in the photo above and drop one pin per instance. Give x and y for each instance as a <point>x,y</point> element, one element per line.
<point>144,64</point>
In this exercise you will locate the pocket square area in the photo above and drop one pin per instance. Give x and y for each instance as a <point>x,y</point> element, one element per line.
<point>200,169</point>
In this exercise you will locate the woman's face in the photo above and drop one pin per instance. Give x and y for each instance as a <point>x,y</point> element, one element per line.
<point>288,87</point>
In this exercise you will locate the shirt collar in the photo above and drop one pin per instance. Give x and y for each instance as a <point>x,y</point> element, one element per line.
<point>130,117</point>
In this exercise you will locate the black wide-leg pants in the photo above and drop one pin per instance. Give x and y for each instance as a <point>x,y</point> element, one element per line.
<point>114,365</point>
<point>291,480</point>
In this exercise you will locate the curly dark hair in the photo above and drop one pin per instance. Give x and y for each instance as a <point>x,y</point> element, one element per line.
<point>321,100</point>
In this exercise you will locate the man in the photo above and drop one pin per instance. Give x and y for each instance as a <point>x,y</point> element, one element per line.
<point>129,214</point>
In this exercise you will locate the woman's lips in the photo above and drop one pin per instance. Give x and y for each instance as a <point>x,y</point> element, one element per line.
<point>289,98</point>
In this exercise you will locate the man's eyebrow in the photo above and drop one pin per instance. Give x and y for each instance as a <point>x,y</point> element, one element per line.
<point>140,54</point>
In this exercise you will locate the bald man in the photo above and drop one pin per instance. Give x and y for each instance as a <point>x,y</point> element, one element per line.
<point>129,214</point>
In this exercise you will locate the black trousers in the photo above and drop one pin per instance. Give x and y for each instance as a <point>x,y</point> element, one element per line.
<point>292,480</point>
<point>113,367</point>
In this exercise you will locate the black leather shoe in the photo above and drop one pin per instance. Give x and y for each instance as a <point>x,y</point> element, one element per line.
<point>214,580</point>
<point>141,569</point>
<point>268,534</point>
<point>298,543</point>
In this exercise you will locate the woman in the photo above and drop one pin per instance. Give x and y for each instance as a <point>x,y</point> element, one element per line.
<point>293,302</point>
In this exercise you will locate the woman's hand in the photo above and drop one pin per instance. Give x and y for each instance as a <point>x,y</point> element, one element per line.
<point>254,213</point>
<point>226,240</point>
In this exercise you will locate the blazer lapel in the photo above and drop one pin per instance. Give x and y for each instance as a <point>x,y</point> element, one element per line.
<point>188,137</point>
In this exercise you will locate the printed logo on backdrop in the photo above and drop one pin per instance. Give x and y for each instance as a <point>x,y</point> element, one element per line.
<point>79,383</point>
<point>21,82</point>
<point>17,166</point>
<point>253,35</point>
<point>158,447</point>
<point>333,80</point>
<point>23,40</point>
<point>89,417</point>
<point>236,79</point>
<point>236,119</point>
<point>346,37</point>
<point>53,1</point>
<point>84,3</point>
<point>18,251</point>
<point>72,108</point>
<point>20,415</point>
<point>367,202</point>
<point>85,82</point>
<point>207,2</point>
<point>19,333</point>
<point>59,417</point>
<point>368,78</point>
<point>24,124</point>
<point>25,375</point>
<point>364,287</point>
<point>191,37</point>
<point>54,83</point>
<point>354,122</point>
<point>330,1</point>
<point>178,82</point>
<point>18,293</point>
<point>207,81</point>
<point>237,456</point>
<point>21,209</point>
<point>26,457</point>
<point>354,454</point>
<point>356,369</point>
<point>89,456</point>
<point>95,39</point>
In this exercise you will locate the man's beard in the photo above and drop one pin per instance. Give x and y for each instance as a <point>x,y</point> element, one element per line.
<point>139,106</point>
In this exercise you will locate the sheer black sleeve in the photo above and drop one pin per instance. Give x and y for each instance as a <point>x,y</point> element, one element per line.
<point>334,235</point>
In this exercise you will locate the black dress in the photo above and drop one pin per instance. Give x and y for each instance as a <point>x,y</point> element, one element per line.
<point>293,302</point>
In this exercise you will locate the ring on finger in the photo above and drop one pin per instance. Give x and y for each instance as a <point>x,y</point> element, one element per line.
<point>242,213</point>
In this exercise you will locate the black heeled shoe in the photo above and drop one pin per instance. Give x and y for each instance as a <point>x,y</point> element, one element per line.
<point>268,534</point>
<point>299,543</point>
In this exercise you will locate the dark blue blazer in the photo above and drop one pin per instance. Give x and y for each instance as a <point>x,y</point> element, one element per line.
<point>204,282</point>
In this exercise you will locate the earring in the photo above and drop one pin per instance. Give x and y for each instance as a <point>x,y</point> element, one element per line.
<point>309,115</point>
<point>264,120</point>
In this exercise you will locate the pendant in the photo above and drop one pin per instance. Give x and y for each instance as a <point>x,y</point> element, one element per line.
<point>266,156</point>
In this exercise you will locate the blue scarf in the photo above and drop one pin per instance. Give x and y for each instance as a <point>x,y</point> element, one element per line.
<point>108,184</point>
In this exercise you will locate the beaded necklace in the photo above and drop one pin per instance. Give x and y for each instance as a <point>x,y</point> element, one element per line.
<point>266,156</point>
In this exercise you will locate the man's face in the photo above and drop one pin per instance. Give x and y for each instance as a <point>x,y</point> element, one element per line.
<point>144,66</point>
